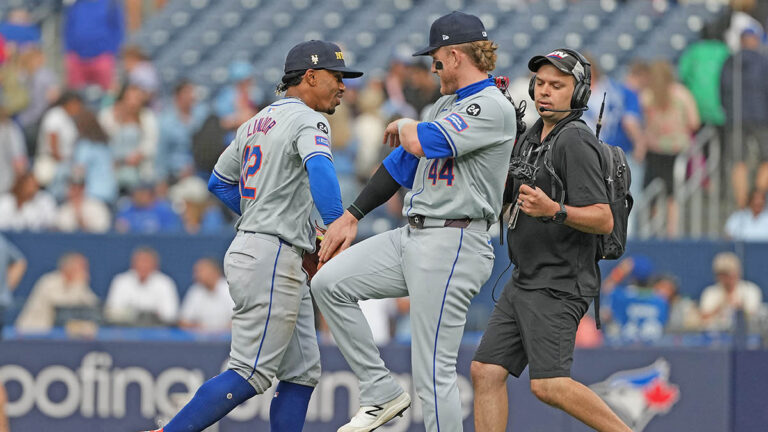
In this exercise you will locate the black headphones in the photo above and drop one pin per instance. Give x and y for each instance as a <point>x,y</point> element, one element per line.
<point>581,91</point>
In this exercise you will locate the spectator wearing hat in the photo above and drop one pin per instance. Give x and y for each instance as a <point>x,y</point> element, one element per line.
<point>199,214</point>
<point>731,293</point>
<point>146,213</point>
<point>635,313</point>
<point>139,70</point>
<point>80,212</point>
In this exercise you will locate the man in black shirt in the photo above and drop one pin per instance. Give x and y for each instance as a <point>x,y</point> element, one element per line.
<point>552,242</point>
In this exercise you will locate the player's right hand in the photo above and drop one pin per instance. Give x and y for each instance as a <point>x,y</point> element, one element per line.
<point>339,236</point>
<point>392,135</point>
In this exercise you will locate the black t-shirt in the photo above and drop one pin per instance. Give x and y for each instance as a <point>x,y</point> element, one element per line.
<point>545,254</point>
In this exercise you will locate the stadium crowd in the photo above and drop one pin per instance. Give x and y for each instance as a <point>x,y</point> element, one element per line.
<point>103,147</point>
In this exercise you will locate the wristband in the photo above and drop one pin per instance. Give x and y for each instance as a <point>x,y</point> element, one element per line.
<point>356,212</point>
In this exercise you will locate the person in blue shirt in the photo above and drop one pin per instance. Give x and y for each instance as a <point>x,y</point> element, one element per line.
<point>19,29</point>
<point>637,312</point>
<point>178,123</point>
<point>622,123</point>
<point>93,34</point>
<point>147,214</point>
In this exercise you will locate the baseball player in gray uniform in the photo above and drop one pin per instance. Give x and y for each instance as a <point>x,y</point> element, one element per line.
<point>455,165</point>
<point>279,162</point>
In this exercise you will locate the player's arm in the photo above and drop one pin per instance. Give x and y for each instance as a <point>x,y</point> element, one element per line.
<point>228,193</point>
<point>421,139</point>
<point>398,169</point>
<point>324,187</point>
<point>224,179</point>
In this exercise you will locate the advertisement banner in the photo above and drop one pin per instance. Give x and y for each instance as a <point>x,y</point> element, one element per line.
<point>132,386</point>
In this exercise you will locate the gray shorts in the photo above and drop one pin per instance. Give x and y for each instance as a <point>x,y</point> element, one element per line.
<point>750,134</point>
<point>535,328</point>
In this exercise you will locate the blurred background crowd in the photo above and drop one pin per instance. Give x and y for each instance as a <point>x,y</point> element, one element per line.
<point>113,113</point>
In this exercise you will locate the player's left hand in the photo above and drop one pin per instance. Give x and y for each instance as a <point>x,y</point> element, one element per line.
<point>535,203</point>
<point>392,135</point>
<point>338,237</point>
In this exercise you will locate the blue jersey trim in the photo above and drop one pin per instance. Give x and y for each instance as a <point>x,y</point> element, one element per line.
<point>471,89</point>
<point>286,102</point>
<point>423,184</point>
<point>402,166</point>
<point>447,136</point>
<point>269,310</point>
<point>437,332</point>
<point>433,142</point>
<point>224,179</point>
<point>313,154</point>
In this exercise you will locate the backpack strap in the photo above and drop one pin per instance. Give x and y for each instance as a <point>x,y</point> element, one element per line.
<point>555,180</point>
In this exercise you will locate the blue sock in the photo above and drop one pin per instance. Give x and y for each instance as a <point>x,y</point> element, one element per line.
<point>211,402</point>
<point>289,407</point>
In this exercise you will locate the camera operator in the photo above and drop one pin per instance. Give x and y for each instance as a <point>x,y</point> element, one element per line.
<point>560,203</point>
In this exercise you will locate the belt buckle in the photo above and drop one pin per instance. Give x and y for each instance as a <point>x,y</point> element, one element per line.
<point>417,221</point>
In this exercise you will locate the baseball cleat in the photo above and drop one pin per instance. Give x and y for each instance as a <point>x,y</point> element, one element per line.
<point>369,418</point>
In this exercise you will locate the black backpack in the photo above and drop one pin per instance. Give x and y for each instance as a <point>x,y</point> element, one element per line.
<point>617,178</point>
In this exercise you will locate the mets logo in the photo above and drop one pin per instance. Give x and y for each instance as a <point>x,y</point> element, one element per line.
<point>638,395</point>
<point>315,59</point>
<point>339,55</point>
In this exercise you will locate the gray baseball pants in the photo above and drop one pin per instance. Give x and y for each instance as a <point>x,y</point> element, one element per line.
<point>273,323</point>
<point>441,269</point>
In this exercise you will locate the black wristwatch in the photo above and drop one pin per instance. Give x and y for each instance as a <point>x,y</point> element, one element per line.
<point>559,217</point>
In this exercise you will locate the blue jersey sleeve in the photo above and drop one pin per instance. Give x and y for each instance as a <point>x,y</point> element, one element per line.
<point>227,192</point>
<point>632,103</point>
<point>433,142</point>
<point>324,187</point>
<point>402,165</point>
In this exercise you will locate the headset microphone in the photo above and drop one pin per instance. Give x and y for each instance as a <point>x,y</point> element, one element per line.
<point>438,65</point>
<point>543,109</point>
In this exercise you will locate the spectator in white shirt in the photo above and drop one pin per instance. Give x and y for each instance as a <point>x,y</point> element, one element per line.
<point>207,305</point>
<point>68,286</point>
<point>56,139</point>
<point>142,295</point>
<point>720,301</point>
<point>26,207</point>
<point>751,223</point>
<point>80,212</point>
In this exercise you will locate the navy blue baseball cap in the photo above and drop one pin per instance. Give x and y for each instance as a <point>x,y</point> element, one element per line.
<point>453,29</point>
<point>317,54</point>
